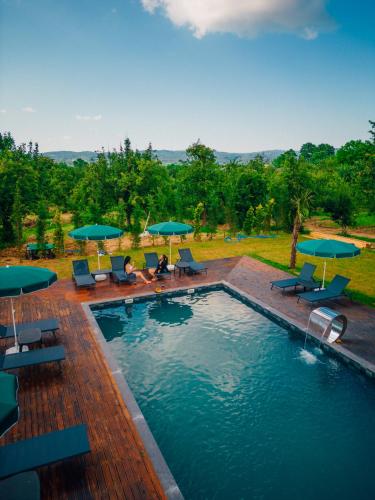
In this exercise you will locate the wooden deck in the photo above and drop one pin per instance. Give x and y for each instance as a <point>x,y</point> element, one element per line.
<point>85,392</point>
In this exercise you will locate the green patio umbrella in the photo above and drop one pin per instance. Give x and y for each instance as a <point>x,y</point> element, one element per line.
<point>328,249</point>
<point>19,280</point>
<point>170,229</point>
<point>96,232</point>
<point>8,401</point>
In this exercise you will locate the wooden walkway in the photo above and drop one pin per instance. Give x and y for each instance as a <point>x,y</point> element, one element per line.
<point>85,392</point>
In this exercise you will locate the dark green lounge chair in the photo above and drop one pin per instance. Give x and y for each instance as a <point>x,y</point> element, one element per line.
<point>304,279</point>
<point>31,358</point>
<point>24,486</point>
<point>43,450</point>
<point>187,257</point>
<point>335,290</point>
<point>81,274</point>
<point>45,325</point>
<point>118,273</point>
<point>152,262</point>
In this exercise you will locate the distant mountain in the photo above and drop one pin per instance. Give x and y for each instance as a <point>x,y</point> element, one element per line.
<point>165,155</point>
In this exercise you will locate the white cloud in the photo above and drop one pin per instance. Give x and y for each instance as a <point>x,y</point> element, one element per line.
<point>306,18</point>
<point>87,118</point>
<point>3,111</point>
<point>114,10</point>
<point>28,109</point>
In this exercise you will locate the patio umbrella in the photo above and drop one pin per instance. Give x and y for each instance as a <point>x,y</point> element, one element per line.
<point>8,401</point>
<point>170,229</point>
<point>96,232</point>
<point>19,280</point>
<point>328,249</point>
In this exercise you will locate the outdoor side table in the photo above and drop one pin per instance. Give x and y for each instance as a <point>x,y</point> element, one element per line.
<point>29,336</point>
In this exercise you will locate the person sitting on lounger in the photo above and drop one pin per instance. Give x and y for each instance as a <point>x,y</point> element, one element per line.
<point>162,266</point>
<point>129,268</point>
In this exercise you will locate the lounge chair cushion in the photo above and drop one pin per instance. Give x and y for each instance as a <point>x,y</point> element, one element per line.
<point>84,280</point>
<point>46,325</point>
<point>123,277</point>
<point>43,450</point>
<point>304,279</point>
<point>334,290</point>
<point>30,358</point>
<point>20,487</point>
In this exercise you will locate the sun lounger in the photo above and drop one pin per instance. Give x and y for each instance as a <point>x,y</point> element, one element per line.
<point>334,290</point>
<point>31,358</point>
<point>43,450</point>
<point>45,325</point>
<point>81,274</point>
<point>21,487</point>
<point>152,262</point>
<point>187,257</point>
<point>118,273</point>
<point>305,279</point>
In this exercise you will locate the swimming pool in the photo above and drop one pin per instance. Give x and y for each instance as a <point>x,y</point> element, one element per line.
<point>235,409</point>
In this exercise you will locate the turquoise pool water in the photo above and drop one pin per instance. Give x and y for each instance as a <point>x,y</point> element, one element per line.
<point>236,410</point>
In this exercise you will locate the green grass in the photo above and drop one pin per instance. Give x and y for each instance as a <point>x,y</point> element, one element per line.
<point>275,252</point>
<point>365,220</point>
<point>356,237</point>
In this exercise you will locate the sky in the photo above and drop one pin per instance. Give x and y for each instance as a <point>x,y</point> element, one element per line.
<point>240,75</point>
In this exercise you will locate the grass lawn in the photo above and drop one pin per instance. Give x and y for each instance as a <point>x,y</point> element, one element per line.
<point>361,269</point>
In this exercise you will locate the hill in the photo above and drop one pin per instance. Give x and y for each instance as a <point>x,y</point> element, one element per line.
<point>165,155</point>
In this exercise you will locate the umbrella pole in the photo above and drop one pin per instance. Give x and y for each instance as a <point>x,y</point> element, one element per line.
<point>324,273</point>
<point>98,257</point>
<point>15,348</point>
<point>170,249</point>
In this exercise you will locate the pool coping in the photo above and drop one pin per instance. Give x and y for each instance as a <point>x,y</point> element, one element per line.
<point>160,465</point>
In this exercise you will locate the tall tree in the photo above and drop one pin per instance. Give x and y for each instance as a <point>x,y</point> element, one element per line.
<point>41,223</point>
<point>301,204</point>
<point>58,233</point>
<point>17,220</point>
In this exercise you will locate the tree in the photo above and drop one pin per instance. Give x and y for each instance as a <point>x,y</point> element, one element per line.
<point>301,208</point>
<point>315,154</point>
<point>279,161</point>
<point>251,189</point>
<point>213,211</point>
<point>58,233</point>
<point>268,209</point>
<point>41,224</point>
<point>17,219</point>
<point>136,227</point>
<point>197,221</point>
<point>341,207</point>
<point>372,131</point>
<point>259,217</point>
<point>198,180</point>
<point>248,224</point>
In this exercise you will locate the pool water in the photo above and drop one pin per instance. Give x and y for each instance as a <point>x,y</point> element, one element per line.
<point>237,409</point>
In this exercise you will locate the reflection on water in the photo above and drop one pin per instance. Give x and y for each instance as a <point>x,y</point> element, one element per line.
<point>169,312</point>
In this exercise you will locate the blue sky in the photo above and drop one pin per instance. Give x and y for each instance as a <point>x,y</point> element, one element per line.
<point>241,77</point>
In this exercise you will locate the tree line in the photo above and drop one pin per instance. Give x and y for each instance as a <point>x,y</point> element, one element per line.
<point>125,187</point>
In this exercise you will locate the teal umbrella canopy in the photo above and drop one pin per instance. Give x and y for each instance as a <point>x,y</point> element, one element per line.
<point>18,280</point>
<point>330,249</point>
<point>170,228</point>
<point>96,232</point>
<point>8,401</point>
